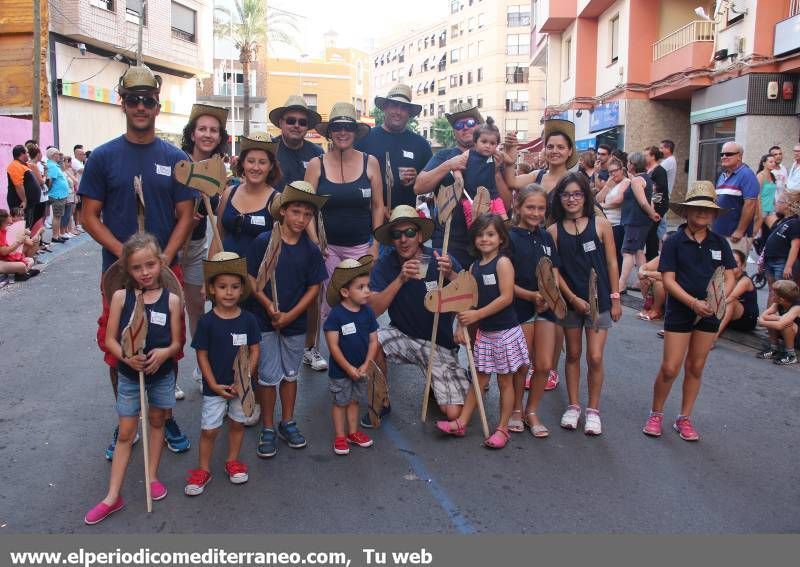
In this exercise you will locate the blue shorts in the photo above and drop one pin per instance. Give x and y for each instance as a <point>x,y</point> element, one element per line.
<point>774,268</point>
<point>160,394</point>
<point>281,358</point>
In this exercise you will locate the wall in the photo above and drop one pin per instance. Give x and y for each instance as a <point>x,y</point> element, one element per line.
<point>674,14</point>
<point>566,84</point>
<point>607,72</point>
<point>14,131</point>
<point>758,133</point>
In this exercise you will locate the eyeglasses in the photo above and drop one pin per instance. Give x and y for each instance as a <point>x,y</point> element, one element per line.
<point>465,123</point>
<point>291,121</point>
<point>576,196</point>
<point>342,126</point>
<point>616,169</point>
<point>410,232</point>
<point>132,101</point>
<point>728,154</point>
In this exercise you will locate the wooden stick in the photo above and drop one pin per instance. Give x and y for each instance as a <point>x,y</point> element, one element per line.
<point>429,372</point>
<point>145,439</point>
<point>476,384</point>
<point>216,239</point>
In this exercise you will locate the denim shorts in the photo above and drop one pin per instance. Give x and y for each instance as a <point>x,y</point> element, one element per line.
<point>575,320</point>
<point>160,394</point>
<point>774,268</point>
<point>280,358</point>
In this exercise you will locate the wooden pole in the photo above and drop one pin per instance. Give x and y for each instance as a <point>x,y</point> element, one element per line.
<point>36,92</point>
<point>476,384</point>
<point>217,240</point>
<point>145,439</point>
<point>139,56</point>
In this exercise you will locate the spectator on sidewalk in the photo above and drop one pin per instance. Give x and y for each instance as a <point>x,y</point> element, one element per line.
<point>737,191</point>
<point>793,177</point>
<point>59,191</point>
<point>780,173</point>
<point>23,190</point>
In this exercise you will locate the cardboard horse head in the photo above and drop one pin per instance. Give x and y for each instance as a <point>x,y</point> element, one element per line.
<point>207,176</point>
<point>242,383</point>
<point>457,296</point>
<point>548,287</point>
<point>134,335</point>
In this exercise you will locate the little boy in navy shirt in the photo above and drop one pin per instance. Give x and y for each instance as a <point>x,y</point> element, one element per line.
<point>299,274</point>
<point>351,332</point>
<point>220,334</point>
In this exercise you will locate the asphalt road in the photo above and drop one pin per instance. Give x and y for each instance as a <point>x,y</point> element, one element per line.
<point>57,416</point>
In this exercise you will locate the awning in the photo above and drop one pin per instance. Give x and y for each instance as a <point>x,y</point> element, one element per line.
<point>583,144</point>
<point>533,146</point>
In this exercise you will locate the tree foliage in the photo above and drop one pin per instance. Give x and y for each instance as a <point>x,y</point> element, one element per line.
<point>377,114</point>
<point>443,132</point>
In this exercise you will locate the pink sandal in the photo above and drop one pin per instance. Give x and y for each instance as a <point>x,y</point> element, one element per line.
<point>498,439</point>
<point>447,427</point>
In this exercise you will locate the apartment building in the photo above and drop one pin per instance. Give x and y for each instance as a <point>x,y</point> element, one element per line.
<point>93,42</point>
<point>478,54</point>
<point>633,72</point>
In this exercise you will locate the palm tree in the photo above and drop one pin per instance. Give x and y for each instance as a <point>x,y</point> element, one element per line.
<point>254,25</point>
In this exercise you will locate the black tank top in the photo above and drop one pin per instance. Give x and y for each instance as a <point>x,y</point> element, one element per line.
<point>159,333</point>
<point>488,291</point>
<point>348,212</point>
<point>579,254</point>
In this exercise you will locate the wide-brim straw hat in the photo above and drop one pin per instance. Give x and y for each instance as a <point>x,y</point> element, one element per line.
<point>294,102</point>
<point>402,94</point>
<point>227,263</point>
<point>342,112</point>
<point>402,214</point>
<point>115,278</point>
<point>258,141</point>
<point>297,192</point>
<point>217,112</point>
<point>700,194</point>
<point>464,110</point>
<point>345,272</point>
<point>566,128</point>
<point>139,79</point>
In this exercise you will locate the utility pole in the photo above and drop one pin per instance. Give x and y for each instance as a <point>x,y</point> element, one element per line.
<point>141,29</point>
<point>36,93</point>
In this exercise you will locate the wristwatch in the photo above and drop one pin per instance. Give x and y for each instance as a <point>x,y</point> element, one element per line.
<point>614,295</point>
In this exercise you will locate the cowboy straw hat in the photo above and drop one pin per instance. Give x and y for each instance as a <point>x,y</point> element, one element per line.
<point>345,272</point>
<point>138,80</point>
<point>217,112</point>
<point>464,110</point>
<point>294,102</point>
<point>115,277</point>
<point>700,194</point>
<point>399,93</point>
<point>257,141</point>
<point>226,263</point>
<point>342,112</point>
<point>296,192</point>
<point>563,127</point>
<point>401,214</point>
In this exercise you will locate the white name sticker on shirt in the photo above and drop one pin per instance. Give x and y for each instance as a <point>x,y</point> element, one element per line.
<point>489,279</point>
<point>716,254</point>
<point>407,154</point>
<point>157,318</point>
<point>305,165</point>
<point>239,339</point>
<point>430,286</point>
<point>366,193</point>
<point>589,246</point>
<point>258,220</point>
<point>163,170</point>
<point>547,250</point>
<point>349,329</point>
<point>489,159</point>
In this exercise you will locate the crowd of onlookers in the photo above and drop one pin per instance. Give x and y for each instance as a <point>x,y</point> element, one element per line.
<point>42,195</point>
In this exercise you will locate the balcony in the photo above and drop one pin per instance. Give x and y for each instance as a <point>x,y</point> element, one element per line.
<point>556,15</point>
<point>687,49</point>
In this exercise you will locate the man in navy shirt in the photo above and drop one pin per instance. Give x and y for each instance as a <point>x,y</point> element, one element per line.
<point>408,152</point>
<point>737,190</point>
<point>109,202</point>
<point>397,288</point>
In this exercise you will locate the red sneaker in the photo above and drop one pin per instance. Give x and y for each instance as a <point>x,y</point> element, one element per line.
<point>103,511</point>
<point>340,446</point>
<point>196,482</point>
<point>360,439</point>
<point>552,380</point>
<point>237,472</point>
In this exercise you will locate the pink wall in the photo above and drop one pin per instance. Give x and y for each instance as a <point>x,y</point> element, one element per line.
<point>15,131</point>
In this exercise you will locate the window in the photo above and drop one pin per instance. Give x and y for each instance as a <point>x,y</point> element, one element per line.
<point>443,38</point>
<point>481,21</point>
<point>469,77</point>
<point>516,101</point>
<point>479,104</point>
<point>469,101</point>
<point>518,16</point>
<point>453,103</point>
<point>516,73</point>
<point>424,132</point>
<point>480,74</point>
<point>442,86</point>
<point>460,79</point>
<point>471,24</point>
<point>520,125</point>
<point>394,74</point>
<point>455,54</point>
<point>453,80</point>
<point>454,30</point>
<point>183,22</point>
<point>134,8</point>
<point>517,44</point>
<point>443,62</point>
<point>566,56</point>
<point>613,42</point>
<point>104,4</point>
<point>471,51</point>
<point>431,109</point>
<point>481,48</point>
<point>402,57</point>
<point>440,110</point>
<point>455,6</point>
<point>311,101</point>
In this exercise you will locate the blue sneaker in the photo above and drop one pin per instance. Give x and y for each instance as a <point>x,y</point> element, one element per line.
<point>366,423</point>
<point>110,448</point>
<point>266,443</point>
<point>288,431</point>
<point>176,441</point>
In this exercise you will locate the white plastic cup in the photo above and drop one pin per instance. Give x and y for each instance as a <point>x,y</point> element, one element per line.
<point>424,262</point>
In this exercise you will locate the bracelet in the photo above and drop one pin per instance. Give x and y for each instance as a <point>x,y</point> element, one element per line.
<point>614,295</point>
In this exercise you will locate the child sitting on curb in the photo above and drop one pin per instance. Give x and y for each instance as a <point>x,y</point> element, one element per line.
<point>781,320</point>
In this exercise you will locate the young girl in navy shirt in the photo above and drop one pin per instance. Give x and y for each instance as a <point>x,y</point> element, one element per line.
<point>500,346</point>
<point>481,170</point>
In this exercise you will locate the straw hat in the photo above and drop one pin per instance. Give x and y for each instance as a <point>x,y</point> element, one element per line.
<point>217,112</point>
<point>700,194</point>
<point>345,272</point>
<point>294,102</point>
<point>257,141</point>
<point>464,110</point>
<point>401,214</point>
<point>227,263</point>
<point>296,192</point>
<point>342,112</point>
<point>563,127</point>
<point>139,80</point>
<point>399,93</point>
<point>115,277</point>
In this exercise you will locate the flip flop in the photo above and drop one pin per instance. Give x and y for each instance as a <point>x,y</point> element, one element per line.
<point>516,425</point>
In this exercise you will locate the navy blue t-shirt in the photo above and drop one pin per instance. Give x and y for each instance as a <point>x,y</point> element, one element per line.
<point>489,290</point>
<point>159,332</point>
<point>221,338</point>
<point>299,267</point>
<point>480,173</point>
<point>780,239</point>
<point>406,149</point>
<point>407,311</point>
<point>525,250</point>
<point>354,329</point>
<point>293,163</point>
<point>108,177</point>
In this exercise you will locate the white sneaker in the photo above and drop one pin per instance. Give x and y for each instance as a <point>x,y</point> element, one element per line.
<point>570,418</point>
<point>66,235</point>
<point>314,359</point>
<point>197,376</point>
<point>253,419</point>
<point>179,395</point>
<point>592,426</point>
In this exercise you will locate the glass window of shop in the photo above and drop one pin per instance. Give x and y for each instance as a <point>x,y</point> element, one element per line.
<point>712,137</point>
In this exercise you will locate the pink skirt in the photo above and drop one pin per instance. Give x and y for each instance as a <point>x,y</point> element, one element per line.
<point>501,352</point>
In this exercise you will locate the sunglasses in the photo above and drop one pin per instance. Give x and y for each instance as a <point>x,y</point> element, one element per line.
<point>342,126</point>
<point>291,121</point>
<point>410,232</point>
<point>465,123</point>
<point>133,101</point>
<point>576,196</point>
<point>728,154</point>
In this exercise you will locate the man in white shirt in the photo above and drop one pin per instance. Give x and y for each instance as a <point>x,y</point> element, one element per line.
<point>780,172</point>
<point>793,178</point>
<point>669,164</point>
<point>79,160</point>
